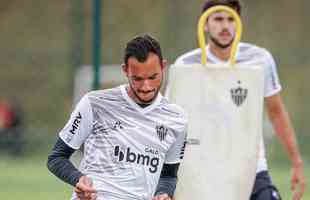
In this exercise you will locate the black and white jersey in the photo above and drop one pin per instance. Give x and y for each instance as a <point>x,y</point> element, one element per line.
<point>125,145</point>
<point>247,55</point>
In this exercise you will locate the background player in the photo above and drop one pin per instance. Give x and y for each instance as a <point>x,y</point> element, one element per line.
<point>220,29</point>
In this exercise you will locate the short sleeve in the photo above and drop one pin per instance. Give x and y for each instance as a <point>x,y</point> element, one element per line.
<point>79,125</point>
<point>272,83</point>
<point>179,61</point>
<point>176,151</point>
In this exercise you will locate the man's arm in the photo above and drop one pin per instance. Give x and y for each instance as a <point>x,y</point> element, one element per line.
<point>59,164</point>
<point>285,132</point>
<point>167,182</point>
<point>168,178</point>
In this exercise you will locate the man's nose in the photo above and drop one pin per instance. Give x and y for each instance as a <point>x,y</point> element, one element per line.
<point>146,86</point>
<point>226,24</point>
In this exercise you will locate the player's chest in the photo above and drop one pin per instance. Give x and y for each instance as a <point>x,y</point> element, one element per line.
<point>136,130</point>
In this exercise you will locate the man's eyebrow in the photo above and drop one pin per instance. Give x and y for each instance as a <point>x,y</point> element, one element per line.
<point>218,17</point>
<point>155,74</point>
<point>136,77</point>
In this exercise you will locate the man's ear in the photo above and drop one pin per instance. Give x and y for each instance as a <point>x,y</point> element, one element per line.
<point>206,27</point>
<point>164,64</point>
<point>125,68</point>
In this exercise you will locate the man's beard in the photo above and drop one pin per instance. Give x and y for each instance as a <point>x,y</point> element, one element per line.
<point>217,43</point>
<point>142,100</point>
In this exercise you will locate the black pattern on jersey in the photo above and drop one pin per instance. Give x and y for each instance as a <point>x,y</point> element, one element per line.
<point>169,111</point>
<point>76,123</point>
<point>182,150</point>
<point>104,128</point>
<point>99,128</point>
<point>161,131</point>
<point>127,155</point>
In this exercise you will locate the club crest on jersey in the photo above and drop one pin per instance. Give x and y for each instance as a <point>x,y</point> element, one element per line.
<point>161,131</point>
<point>238,95</point>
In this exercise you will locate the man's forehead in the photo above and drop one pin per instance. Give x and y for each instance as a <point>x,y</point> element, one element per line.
<point>221,14</point>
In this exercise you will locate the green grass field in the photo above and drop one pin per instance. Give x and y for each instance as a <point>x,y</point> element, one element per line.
<point>29,179</point>
<point>281,178</point>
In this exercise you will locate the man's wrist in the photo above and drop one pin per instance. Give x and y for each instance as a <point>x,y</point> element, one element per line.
<point>78,177</point>
<point>163,193</point>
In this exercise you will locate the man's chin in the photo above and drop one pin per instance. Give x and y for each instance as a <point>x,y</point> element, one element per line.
<point>146,100</point>
<point>222,44</point>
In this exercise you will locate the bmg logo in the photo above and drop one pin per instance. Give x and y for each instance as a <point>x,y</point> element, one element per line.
<point>138,158</point>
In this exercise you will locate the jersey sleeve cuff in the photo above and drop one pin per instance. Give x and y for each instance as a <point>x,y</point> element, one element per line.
<point>273,92</point>
<point>172,162</point>
<point>62,137</point>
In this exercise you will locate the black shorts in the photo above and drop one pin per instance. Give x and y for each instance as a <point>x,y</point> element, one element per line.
<point>263,188</point>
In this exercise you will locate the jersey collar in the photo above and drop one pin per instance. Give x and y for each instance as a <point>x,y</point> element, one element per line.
<point>145,110</point>
<point>213,59</point>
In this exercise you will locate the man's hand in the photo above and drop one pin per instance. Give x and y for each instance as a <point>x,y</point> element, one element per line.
<point>162,197</point>
<point>284,129</point>
<point>84,189</point>
<point>298,182</point>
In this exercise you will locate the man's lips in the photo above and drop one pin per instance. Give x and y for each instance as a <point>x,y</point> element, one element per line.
<point>225,34</point>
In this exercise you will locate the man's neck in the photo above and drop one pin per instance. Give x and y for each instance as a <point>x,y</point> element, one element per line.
<point>222,54</point>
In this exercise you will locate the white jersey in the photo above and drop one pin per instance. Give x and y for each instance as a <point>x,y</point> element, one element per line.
<point>251,55</point>
<point>125,145</point>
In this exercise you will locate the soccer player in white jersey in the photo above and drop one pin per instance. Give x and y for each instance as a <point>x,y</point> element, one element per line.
<point>133,139</point>
<point>220,31</point>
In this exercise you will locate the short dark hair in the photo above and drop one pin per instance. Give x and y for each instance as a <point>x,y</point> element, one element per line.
<point>140,47</point>
<point>234,4</point>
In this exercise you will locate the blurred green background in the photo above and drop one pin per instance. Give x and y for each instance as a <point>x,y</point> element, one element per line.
<point>43,43</point>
